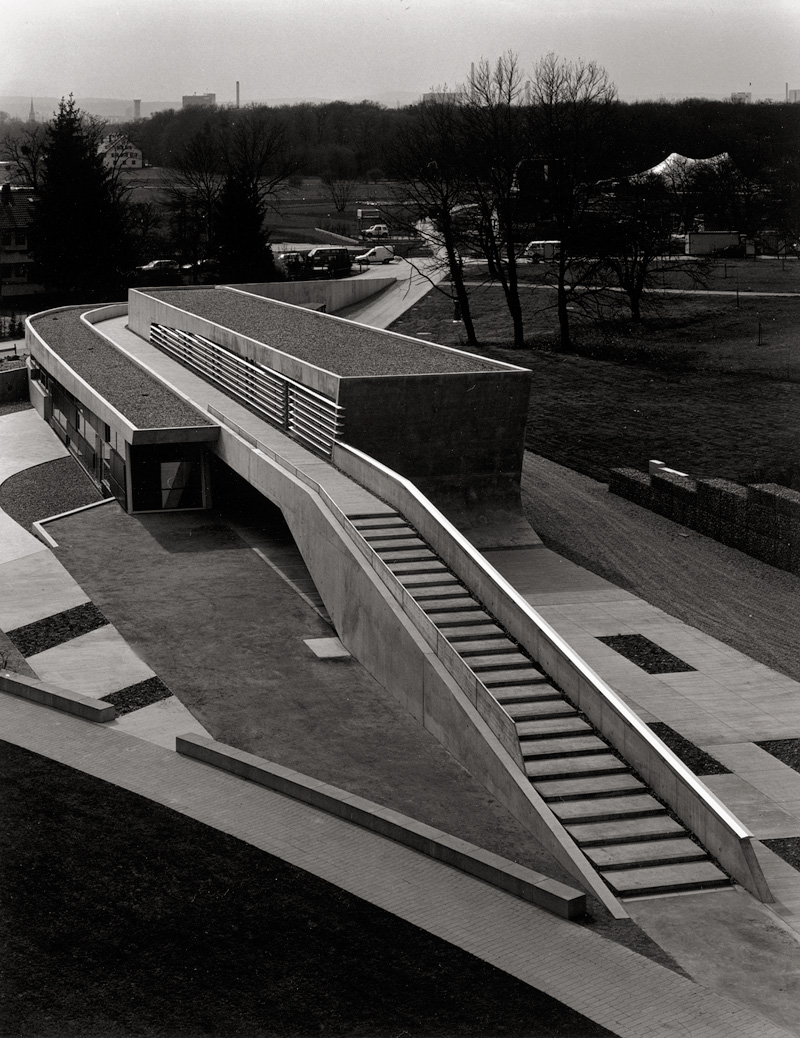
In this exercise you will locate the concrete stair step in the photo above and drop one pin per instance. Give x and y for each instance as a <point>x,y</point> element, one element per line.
<point>646,853</point>
<point>513,661</point>
<point>387,522</point>
<point>509,676</point>
<point>428,566</point>
<point>533,688</point>
<point>618,784</point>
<point>563,746</point>
<point>466,604</point>
<point>602,809</point>
<point>410,580</point>
<point>539,710</point>
<point>444,618</point>
<point>557,727</point>
<point>386,513</point>
<point>396,533</point>
<point>407,555</point>
<point>441,591</point>
<point>560,767</point>
<point>458,636</point>
<point>387,544</point>
<point>664,879</point>
<point>480,646</point>
<point>625,830</point>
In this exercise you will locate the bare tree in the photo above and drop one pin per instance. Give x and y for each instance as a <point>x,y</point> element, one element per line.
<point>434,190</point>
<point>25,150</point>
<point>570,109</point>
<point>493,147</point>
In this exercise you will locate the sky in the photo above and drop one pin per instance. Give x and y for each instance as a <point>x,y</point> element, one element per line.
<point>352,49</point>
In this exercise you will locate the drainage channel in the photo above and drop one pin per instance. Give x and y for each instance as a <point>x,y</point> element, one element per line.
<point>623,830</point>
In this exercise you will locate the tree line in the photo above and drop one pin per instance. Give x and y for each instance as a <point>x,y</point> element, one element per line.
<point>510,155</point>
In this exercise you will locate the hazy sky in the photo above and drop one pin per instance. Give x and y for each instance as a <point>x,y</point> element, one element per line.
<point>161,49</point>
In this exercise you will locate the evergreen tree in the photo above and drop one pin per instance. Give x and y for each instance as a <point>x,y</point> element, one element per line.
<point>80,232</point>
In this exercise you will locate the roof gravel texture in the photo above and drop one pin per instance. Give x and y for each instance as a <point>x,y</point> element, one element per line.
<point>344,348</point>
<point>144,401</point>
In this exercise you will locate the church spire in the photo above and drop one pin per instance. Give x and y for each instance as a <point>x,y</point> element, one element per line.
<point>32,114</point>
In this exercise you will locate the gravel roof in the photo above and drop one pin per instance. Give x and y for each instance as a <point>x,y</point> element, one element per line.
<point>144,401</point>
<point>345,349</point>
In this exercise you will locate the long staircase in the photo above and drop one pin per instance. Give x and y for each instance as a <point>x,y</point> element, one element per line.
<point>625,832</point>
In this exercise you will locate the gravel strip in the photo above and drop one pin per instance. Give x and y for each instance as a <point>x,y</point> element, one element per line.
<point>141,398</point>
<point>47,489</point>
<point>57,629</point>
<point>786,750</point>
<point>346,349</point>
<point>788,848</point>
<point>134,697</point>
<point>693,757</point>
<point>645,654</point>
<point>13,406</point>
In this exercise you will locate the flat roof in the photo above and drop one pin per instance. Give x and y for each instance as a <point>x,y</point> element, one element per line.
<point>336,345</point>
<point>145,402</point>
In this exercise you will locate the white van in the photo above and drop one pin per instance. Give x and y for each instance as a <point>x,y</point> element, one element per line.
<point>378,254</point>
<point>535,251</point>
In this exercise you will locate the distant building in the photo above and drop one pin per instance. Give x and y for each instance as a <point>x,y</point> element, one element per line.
<point>199,100</point>
<point>742,97</point>
<point>793,97</point>
<point>137,108</point>
<point>118,151</point>
<point>16,216</point>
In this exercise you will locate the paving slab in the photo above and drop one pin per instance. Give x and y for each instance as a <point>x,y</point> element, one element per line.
<point>93,664</point>
<point>34,587</point>
<point>160,723</point>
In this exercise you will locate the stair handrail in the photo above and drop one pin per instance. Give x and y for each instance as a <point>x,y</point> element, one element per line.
<point>723,834</point>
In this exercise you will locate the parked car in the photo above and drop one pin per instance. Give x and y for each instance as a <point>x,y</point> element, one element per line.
<point>377,230</point>
<point>160,266</point>
<point>332,260</point>
<point>293,264</point>
<point>377,254</point>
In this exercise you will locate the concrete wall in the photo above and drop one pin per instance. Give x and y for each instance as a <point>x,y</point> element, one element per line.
<point>691,801</point>
<point>762,520</point>
<point>372,625</point>
<point>459,437</point>
<point>13,383</point>
<point>335,294</point>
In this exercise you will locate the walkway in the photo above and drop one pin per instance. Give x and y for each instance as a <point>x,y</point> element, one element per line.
<point>630,995</point>
<point>38,592</point>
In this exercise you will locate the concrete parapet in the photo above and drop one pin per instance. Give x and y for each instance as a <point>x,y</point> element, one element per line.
<point>62,699</point>
<point>515,879</point>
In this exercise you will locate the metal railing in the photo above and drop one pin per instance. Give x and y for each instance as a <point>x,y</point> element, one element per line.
<point>304,414</point>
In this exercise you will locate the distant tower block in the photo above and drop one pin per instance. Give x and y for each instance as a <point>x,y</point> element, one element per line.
<point>137,108</point>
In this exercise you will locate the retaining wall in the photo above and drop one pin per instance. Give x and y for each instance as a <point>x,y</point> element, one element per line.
<point>761,519</point>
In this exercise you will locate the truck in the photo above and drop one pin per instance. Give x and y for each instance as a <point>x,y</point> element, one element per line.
<point>706,243</point>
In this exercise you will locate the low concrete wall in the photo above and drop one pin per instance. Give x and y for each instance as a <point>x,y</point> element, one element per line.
<point>762,519</point>
<point>13,383</point>
<point>715,826</point>
<point>58,698</point>
<point>336,294</point>
<point>516,879</point>
<point>373,627</point>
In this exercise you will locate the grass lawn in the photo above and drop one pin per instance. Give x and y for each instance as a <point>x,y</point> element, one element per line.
<point>691,386</point>
<point>120,918</point>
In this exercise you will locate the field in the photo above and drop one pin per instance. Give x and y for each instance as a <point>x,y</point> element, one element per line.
<point>692,385</point>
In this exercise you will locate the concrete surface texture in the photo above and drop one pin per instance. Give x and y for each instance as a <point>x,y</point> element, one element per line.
<point>632,996</point>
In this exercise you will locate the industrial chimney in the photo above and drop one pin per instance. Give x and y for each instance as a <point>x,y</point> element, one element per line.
<point>237,92</point>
